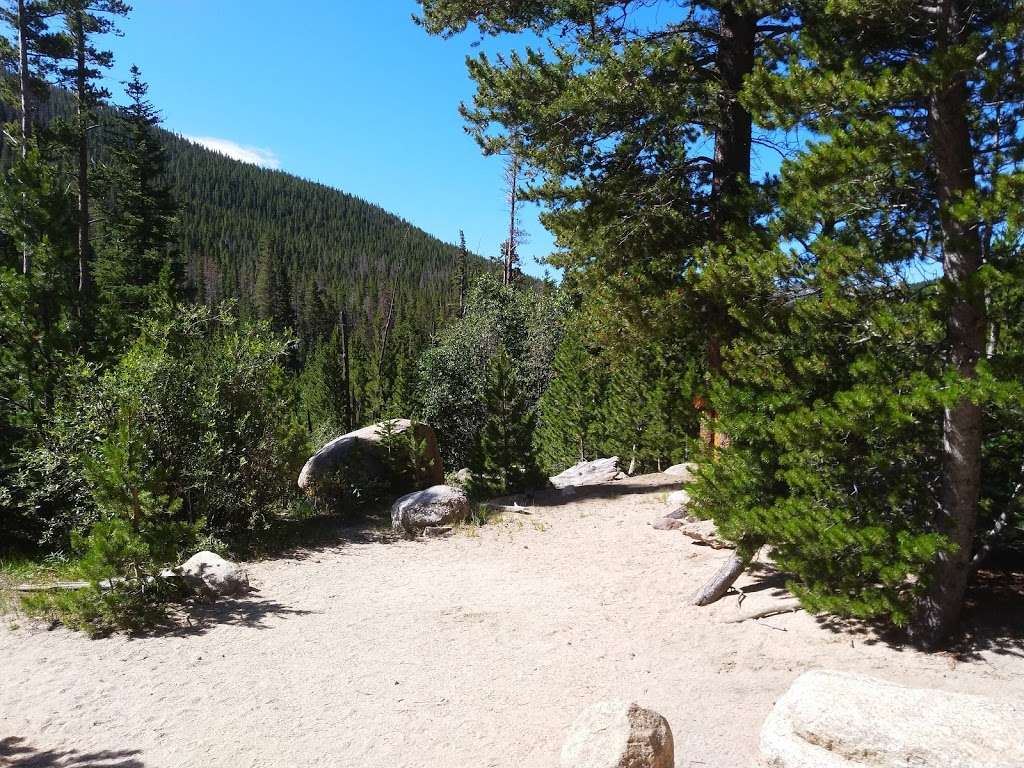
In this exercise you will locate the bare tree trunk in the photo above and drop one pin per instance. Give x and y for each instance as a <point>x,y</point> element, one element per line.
<point>346,380</point>
<point>24,84</point>
<point>512,174</point>
<point>939,610</point>
<point>84,254</point>
<point>384,340</point>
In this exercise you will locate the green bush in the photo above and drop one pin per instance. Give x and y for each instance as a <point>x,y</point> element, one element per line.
<point>212,406</point>
<point>453,373</point>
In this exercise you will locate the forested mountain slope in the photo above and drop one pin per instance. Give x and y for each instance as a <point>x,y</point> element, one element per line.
<point>354,254</point>
<point>328,250</point>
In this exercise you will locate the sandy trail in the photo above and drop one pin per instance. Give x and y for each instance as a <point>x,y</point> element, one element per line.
<point>475,650</point>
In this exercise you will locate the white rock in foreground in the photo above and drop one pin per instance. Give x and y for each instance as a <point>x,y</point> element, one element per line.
<point>438,505</point>
<point>588,473</point>
<point>839,720</point>
<point>613,734</point>
<point>210,573</point>
<point>686,471</point>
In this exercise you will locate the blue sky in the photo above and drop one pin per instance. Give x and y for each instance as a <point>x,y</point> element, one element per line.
<point>344,92</point>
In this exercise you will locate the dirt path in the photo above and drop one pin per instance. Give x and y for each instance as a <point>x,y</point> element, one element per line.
<point>475,650</point>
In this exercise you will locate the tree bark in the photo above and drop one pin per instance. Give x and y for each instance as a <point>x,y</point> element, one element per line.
<point>734,59</point>
<point>82,112</point>
<point>949,134</point>
<point>25,85</point>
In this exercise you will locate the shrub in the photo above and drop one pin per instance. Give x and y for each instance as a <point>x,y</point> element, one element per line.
<point>211,405</point>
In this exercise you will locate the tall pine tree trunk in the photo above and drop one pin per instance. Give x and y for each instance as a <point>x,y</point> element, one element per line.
<point>82,113</point>
<point>24,85</point>
<point>949,134</point>
<point>735,60</point>
<point>737,34</point>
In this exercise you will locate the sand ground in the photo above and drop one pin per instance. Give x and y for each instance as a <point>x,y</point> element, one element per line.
<point>474,650</point>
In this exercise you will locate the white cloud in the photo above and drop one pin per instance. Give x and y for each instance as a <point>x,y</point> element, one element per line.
<point>264,158</point>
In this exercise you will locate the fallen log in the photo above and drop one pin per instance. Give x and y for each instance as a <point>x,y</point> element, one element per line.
<point>722,581</point>
<point>63,586</point>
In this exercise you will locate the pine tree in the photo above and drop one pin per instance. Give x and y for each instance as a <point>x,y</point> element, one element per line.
<point>860,457</point>
<point>138,211</point>
<point>84,20</point>
<point>272,294</point>
<point>505,451</point>
<point>612,119</point>
<point>322,387</point>
<point>31,54</point>
<point>461,274</point>
<point>569,420</point>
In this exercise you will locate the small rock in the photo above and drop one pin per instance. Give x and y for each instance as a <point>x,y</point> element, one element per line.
<point>438,505</point>
<point>211,574</point>
<point>678,499</point>
<point>462,478</point>
<point>613,734</point>
<point>436,531</point>
<point>840,720</point>
<point>680,513</point>
<point>667,524</point>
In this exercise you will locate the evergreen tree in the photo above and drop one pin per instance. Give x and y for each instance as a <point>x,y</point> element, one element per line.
<point>569,424</point>
<point>861,459</point>
<point>272,294</point>
<point>321,383</point>
<point>138,212</point>
<point>30,53</point>
<point>505,452</point>
<point>613,118</point>
<point>83,21</point>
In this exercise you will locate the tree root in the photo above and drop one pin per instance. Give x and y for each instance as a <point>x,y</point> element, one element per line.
<point>788,607</point>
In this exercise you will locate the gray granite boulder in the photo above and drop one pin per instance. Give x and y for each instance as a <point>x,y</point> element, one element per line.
<point>365,446</point>
<point>211,574</point>
<point>439,505</point>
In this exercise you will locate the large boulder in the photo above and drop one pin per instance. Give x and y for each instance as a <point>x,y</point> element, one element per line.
<point>365,446</point>
<point>613,734</point>
<point>439,505</point>
<point>589,473</point>
<point>839,720</point>
<point>211,574</point>
<point>686,471</point>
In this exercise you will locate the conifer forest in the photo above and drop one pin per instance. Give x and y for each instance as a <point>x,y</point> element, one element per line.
<point>789,240</point>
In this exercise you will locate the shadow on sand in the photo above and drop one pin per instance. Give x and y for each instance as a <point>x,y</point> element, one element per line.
<point>992,619</point>
<point>16,753</point>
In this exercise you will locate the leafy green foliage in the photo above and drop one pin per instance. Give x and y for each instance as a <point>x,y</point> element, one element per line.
<point>453,373</point>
